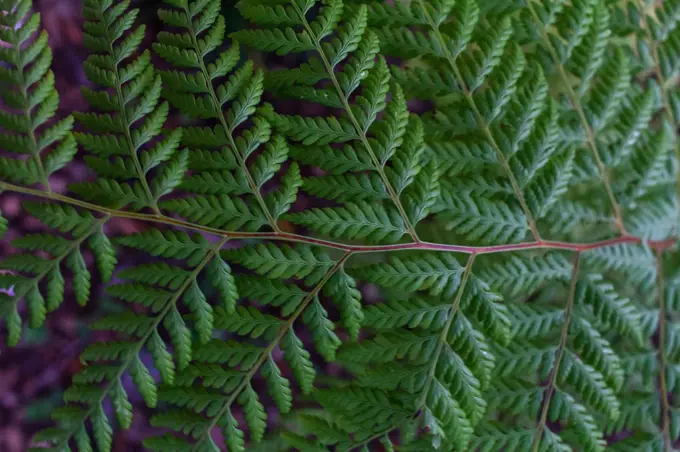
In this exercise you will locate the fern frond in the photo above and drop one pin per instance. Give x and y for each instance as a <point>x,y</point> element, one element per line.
<point>42,145</point>
<point>28,270</point>
<point>243,362</point>
<point>108,362</point>
<point>503,175</point>
<point>380,141</point>
<point>477,71</point>
<point>595,87</point>
<point>444,361</point>
<point>582,363</point>
<point>132,114</point>
<point>216,90</point>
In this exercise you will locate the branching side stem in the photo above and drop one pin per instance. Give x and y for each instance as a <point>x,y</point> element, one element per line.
<point>74,245</point>
<point>665,99</point>
<point>124,119</point>
<point>467,271</point>
<point>447,326</point>
<point>564,334</point>
<point>296,238</point>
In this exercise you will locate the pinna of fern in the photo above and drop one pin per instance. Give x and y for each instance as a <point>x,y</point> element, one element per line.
<point>158,294</point>
<point>658,51</point>
<point>609,116</point>
<point>26,271</point>
<point>47,146</point>
<point>209,87</point>
<point>649,416</point>
<point>653,414</point>
<point>567,346</point>
<point>41,146</point>
<point>505,165</point>
<point>221,376</point>
<point>380,161</point>
<point>134,166</point>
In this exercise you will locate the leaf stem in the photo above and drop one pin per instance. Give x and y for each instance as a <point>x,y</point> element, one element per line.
<point>576,104</point>
<point>360,131</point>
<point>296,238</point>
<point>564,334</point>
<point>265,354</point>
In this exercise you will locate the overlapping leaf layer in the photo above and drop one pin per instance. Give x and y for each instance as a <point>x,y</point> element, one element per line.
<point>464,238</point>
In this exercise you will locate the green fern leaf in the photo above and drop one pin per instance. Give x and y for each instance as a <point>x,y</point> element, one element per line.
<point>464,124</point>
<point>283,262</point>
<point>234,436</point>
<point>254,413</point>
<point>482,219</point>
<point>160,274</point>
<point>196,301</point>
<point>162,358</point>
<point>609,307</point>
<point>322,328</point>
<point>355,221</point>
<point>342,289</point>
<point>170,244</point>
<point>299,361</point>
<point>440,275</point>
<point>180,335</point>
<point>308,131</point>
<point>279,387</point>
<point>137,89</point>
<point>265,291</point>
<point>33,99</point>
<point>347,187</point>
<point>249,322</point>
<point>221,277</point>
<point>144,382</point>
<point>103,432</point>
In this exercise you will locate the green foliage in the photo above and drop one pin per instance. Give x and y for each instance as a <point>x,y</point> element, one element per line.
<point>37,147</point>
<point>27,270</point>
<point>209,86</point>
<point>133,166</point>
<point>422,225</point>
